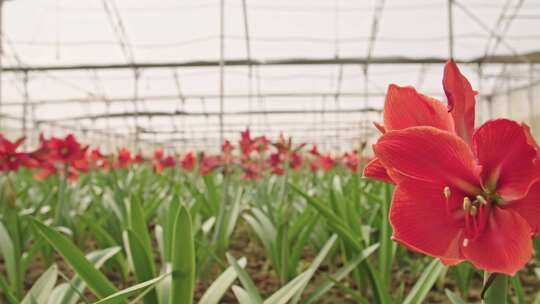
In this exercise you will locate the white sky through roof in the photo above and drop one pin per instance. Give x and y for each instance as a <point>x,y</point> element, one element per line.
<point>62,32</point>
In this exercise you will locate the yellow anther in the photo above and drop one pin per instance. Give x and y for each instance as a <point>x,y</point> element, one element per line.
<point>481,199</point>
<point>473,211</point>
<point>447,192</point>
<point>467,203</point>
<point>465,242</point>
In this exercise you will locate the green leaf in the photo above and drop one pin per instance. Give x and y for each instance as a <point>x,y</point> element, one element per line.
<point>183,259</point>
<point>76,287</point>
<point>7,292</point>
<point>341,273</point>
<point>520,293</point>
<point>95,280</point>
<point>241,295</point>
<point>138,225</point>
<point>250,288</point>
<point>424,283</point>
<point>125,293</point>
<point>11,261</point>
<point>454,298</point>
<point>143,265</point>
<point>537,299</point>
<point>287,292</point>
<point>333,220</point>
<point>218,288</point>
<point>42,288</point>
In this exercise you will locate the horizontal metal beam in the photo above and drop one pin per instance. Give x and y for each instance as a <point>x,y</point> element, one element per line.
<point>206,114</point>
<point>307,128</point>
<point>129,99</point>
<point>532,57</point>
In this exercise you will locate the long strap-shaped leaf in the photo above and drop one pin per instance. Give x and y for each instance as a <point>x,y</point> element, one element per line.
<point>250,288</point>
<point>341,273</point>
<point>8,251</point>
<point>72,290</point>
<point>424,283</point>
<point>183,259</point>
<point>125,293</point>
<point>218,288</point>
<point>95,280</point>
<point>142,263</point>
<point>42,288</point>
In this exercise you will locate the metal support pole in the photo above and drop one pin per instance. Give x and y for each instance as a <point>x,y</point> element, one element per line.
<point>136,76</point>
<point>480,100</point>
<point>509,98</point>
<point>530,96</point>
<point>450,29</point>
<point>25,107</point>
<point>221,69</point>
<point>1,55</point>
<point>248,56</point>
<point>489,100</point>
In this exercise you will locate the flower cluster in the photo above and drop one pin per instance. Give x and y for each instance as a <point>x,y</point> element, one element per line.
<point>461,193</point>
<point>252,156</point>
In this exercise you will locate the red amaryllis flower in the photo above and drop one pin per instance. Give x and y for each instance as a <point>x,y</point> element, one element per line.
<point>64,150</point>
<point>246,143</point>
<point>97,159</point>
<point>275,161</point>
<point>250,171</point>
<point>139,158</point>
<point>61,155</point>
<point>462,194</point>
<point>261,143</point>
<point>226,149</point>
<point>163,163</point>
<point>326,162</point>
<point>458,202</point>
<point>158,154</point>
<point>314,151</point>
<point>208,164</point>
<point>10,159</point>
<point>351,161</point>
<point>188,161</point>
<point>296,161</point>
<point>404,107</point>
<point>124,159</point>
<point>160,162</point>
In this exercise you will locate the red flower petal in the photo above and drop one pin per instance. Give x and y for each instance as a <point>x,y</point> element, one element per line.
<point>530,138</point>
<point>460,100</point>
<point>506,157</point>
<point>375,170</point>
<point>528,207</point>
<point>379,127</point>
<point>451,262</point>
<point>505,246</point>
<point>429,154</point>
<point>404,108</point>
<point>423,219</point>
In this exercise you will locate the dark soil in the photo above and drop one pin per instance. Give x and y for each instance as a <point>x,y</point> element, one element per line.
<point>262,273</point>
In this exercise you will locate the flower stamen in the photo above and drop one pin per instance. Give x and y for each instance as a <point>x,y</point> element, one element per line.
<point>473,210</point>
<point>447,192</point>
<point>481,199</point>
<point>467,204</point>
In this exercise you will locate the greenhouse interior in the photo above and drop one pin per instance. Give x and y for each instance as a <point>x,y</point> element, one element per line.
<point>269,151</point>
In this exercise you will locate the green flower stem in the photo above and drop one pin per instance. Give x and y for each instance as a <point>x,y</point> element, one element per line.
<point>497,292</point>
<point>62,182</point>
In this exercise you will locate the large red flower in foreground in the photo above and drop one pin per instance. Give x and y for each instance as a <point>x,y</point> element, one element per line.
<point>455,202</point>
<point>404,107</point>
<point>460,194</point>
<point>10,159</point>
